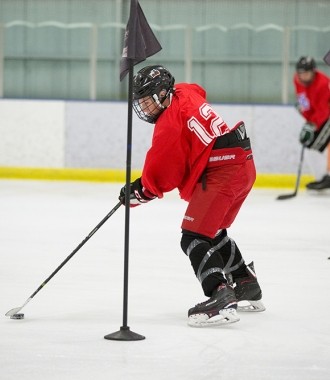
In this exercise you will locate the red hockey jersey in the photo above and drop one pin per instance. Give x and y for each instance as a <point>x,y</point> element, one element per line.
<point>182,141</point>
<point>314,99</point>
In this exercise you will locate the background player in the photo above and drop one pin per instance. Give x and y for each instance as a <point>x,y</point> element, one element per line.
<point>313,102</point>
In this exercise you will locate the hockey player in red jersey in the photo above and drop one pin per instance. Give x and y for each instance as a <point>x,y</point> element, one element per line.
<point>211,164</point>
<point>313,102</point>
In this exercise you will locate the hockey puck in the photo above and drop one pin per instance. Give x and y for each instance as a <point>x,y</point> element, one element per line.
<point>17,316</point>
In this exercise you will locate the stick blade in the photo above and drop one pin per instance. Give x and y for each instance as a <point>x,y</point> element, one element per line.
<point>286,196</point>
<point>11,312</point>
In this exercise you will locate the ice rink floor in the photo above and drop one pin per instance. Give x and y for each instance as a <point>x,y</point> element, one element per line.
<point>62,335</point>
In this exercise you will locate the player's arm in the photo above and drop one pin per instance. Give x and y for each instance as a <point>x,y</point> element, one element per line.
<point>138,194</point>
<point>165,163</point>
<point>320,111</point>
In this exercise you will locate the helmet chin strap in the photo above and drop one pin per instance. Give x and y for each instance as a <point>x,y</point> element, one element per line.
<point>170,99</point>
<point>168,95</point>
<point>158,102</point>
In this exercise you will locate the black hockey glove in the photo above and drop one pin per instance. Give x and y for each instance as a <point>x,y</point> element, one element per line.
<point>306,136</point>
<point>138,194</point>
<point>298,107</point>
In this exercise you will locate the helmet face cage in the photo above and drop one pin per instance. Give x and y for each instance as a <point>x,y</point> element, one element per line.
<point>305,64</point>
<point>146,113</point>
<point>148,83</point>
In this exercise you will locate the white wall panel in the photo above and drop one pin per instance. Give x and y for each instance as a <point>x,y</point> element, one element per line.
<point>56,134</point>
<point>31,133</point>
<point>274,132</point>
<point>96,136</point>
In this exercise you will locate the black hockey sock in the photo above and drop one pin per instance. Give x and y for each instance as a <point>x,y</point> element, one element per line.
<point>230,253</point>
<point>206,262</point>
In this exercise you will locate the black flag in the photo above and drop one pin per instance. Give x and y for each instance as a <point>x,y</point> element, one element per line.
<point>139,42</point>
<point>327,58</point>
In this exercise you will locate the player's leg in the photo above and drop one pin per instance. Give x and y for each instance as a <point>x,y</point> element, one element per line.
<point>211,207</point>
<point>198,229</point>
<point>324,182</point>
<point>243,277</point>
<point>319,144</point>
<point>207,264</point>
<point>240,275</point>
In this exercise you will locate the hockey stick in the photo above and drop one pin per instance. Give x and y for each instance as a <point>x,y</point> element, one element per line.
<point>288,196</point>
<point>15,310</point>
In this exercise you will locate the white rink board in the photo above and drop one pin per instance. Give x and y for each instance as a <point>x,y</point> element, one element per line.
<point>32,133</point>
<point>78,134</point>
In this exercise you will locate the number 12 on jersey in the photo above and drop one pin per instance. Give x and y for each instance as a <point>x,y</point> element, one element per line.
<point>217,127</point>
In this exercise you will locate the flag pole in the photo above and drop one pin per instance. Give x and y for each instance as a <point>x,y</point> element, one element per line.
<point>125,333</point>
<point>139,43</point>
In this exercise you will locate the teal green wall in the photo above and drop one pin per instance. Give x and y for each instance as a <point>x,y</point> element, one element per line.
<point>239,65</point>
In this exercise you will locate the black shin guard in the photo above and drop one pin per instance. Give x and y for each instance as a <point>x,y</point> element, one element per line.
<point>205,260</point>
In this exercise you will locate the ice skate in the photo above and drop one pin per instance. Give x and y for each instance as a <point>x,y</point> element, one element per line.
<point>248,291</point>
<point>320,185</point>
<point>220,309</point>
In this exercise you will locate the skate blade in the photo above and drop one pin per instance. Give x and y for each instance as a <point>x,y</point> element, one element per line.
<point>225,317</point>
<point>250,306</point>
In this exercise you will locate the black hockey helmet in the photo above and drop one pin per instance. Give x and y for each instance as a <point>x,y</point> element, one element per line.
<point>305,64</point>
<point>152,81</point>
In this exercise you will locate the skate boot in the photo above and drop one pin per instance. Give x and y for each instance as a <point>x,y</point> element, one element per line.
<point>218,310</point>
<point>320,185</point>
<point>248,292</point>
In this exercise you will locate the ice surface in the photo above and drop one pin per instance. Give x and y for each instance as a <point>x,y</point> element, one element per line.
<point>62,335</point>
